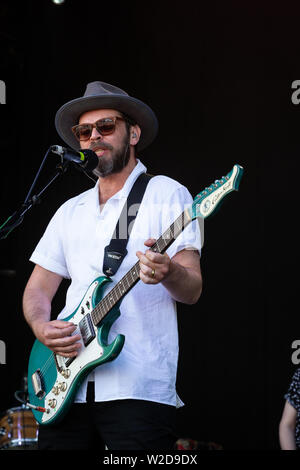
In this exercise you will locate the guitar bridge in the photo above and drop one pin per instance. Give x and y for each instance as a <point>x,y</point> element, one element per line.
<point>87,329</point>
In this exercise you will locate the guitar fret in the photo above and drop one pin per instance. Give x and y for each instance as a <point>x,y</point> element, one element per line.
<point>172,233</point>
<point>179,223</point>
<point>116,293</point>
<point>99,312</point>
<point>122,287</point>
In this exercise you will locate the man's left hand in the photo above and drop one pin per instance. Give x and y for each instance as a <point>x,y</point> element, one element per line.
<point>154,267</point>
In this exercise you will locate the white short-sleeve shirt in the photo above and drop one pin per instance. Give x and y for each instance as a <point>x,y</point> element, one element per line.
<point>73,246</point>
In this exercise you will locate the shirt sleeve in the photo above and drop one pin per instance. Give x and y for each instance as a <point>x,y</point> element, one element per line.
<point>49,252</point>
<point>293,394</point>
<point>190,237</point>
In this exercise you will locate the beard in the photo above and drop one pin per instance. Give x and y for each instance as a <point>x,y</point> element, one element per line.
<point>114,163</point>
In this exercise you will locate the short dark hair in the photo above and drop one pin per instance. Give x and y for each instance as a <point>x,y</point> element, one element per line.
<point>129,121</point>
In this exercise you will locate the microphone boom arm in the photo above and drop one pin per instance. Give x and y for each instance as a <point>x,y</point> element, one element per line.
<point>17,217</point>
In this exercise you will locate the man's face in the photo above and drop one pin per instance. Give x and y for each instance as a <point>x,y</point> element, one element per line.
<point>113,150</point>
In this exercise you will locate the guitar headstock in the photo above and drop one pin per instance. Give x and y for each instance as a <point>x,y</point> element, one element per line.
<point>208,200</point>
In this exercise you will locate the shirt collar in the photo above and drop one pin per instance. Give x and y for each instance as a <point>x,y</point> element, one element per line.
<point>124,191</point>
<point>93,195</point>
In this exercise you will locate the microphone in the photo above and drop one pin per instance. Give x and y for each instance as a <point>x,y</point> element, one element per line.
<point>86,159</point>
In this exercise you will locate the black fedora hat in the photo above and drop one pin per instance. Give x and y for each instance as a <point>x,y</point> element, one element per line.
<point>101,95</point>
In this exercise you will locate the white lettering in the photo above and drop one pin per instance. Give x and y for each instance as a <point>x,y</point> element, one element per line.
<point>2,352</point>
<point>295,355</point>
<point>295,95</point>
<point>2,92</point>
<point>111,460</point>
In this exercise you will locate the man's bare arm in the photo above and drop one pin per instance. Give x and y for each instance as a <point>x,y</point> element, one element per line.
<point>39,292</point>
<point>181,275</point>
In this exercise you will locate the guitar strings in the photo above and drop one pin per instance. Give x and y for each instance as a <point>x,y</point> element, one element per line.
<point>51,359</point>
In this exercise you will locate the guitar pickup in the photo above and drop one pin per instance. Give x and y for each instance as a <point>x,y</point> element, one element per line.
<point>87,330</point>
<point>37,384</point>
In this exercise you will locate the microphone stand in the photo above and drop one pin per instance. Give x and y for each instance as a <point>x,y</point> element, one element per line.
<point>17,217</point>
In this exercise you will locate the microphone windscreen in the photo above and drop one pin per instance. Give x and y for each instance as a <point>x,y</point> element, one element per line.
<point>91,160</point>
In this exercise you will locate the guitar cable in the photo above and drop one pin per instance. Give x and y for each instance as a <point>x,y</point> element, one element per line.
<point>26,403</point>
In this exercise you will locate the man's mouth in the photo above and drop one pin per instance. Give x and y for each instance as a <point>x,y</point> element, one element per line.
<point>100,152</point>
<point>100,149</point>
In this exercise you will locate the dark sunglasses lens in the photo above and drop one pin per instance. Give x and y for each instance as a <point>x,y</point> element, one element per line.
<point>105,127</point>
<point>83,132</point>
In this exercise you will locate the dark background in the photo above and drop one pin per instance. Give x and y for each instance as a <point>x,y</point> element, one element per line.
<point>219,78</point>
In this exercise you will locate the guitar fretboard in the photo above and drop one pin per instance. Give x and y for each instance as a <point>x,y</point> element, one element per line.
<point>129,280</point>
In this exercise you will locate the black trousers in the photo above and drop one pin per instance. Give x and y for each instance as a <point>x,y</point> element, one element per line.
<point>118,424</point>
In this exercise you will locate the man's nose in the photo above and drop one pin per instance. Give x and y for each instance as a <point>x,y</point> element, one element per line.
<point>95,134</point>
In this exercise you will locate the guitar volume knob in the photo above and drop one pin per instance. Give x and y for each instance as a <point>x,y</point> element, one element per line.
<point>62,386</point>
<point>56,390</point>
<point>52,403</point>
<point>66,373</point>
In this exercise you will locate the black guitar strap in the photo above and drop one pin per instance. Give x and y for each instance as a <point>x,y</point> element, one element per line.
<point>115,252</point>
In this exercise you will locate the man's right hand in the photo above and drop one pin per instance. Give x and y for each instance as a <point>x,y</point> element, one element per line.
<point>59,336</point>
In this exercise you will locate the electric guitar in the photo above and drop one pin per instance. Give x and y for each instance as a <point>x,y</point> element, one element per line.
<point>53,380</point>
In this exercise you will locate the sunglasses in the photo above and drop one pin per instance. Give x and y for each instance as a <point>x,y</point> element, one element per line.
<point>104,126</point>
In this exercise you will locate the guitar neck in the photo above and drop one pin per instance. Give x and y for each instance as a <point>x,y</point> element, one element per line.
<point>129,280</point>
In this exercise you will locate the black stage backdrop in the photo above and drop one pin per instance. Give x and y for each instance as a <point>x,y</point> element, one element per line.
<point>220,78</point>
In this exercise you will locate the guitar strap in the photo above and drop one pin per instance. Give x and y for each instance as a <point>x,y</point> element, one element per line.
<point>115,252</point>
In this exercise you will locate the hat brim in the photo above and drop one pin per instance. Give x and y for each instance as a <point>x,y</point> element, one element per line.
<point>68,115</point>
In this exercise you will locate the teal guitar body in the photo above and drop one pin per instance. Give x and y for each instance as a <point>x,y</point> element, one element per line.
<point>53,380</point>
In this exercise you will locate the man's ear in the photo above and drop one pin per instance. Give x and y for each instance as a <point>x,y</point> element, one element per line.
<point>135,133</point>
